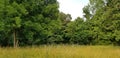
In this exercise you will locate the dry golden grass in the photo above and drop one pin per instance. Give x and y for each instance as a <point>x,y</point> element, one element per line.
<point>61,51</point>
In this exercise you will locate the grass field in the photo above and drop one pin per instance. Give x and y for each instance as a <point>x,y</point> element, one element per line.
<point>61,51</point>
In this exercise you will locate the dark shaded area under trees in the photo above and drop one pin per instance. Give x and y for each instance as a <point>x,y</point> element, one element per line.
<point>37,22</point>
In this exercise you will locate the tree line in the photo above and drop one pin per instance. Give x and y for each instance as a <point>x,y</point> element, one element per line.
<point>37,22</point>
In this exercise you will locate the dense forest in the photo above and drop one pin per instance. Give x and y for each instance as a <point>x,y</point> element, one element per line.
<point>38,22</point>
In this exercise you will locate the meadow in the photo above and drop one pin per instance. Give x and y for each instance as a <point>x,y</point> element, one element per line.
<point>61,51</point>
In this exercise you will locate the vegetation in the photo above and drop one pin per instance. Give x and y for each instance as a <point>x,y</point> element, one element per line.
<point>27,23</point>
<point>61,51</point>
<point>37,22</point>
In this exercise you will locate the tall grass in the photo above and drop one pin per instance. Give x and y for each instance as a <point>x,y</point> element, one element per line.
<point>61,51</point>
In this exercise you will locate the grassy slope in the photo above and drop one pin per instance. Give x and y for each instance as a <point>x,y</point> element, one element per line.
<point>61,51</point>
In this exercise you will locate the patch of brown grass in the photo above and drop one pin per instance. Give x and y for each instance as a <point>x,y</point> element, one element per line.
<point>61,51</point>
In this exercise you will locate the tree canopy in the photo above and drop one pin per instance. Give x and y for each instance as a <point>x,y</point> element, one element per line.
<point>36,22</point>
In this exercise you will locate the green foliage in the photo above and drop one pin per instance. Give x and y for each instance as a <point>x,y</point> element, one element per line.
<point>104,21</point>
<point>32,21</point>
<point>35,22</point>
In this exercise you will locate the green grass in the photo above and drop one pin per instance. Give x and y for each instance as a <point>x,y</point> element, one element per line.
<point>61,51</point>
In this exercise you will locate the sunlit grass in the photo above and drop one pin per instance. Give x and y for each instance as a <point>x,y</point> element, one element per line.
<point>61,51</point>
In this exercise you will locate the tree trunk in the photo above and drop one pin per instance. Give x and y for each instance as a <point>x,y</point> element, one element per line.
<point>15,39</point>
<point>14,34</point>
